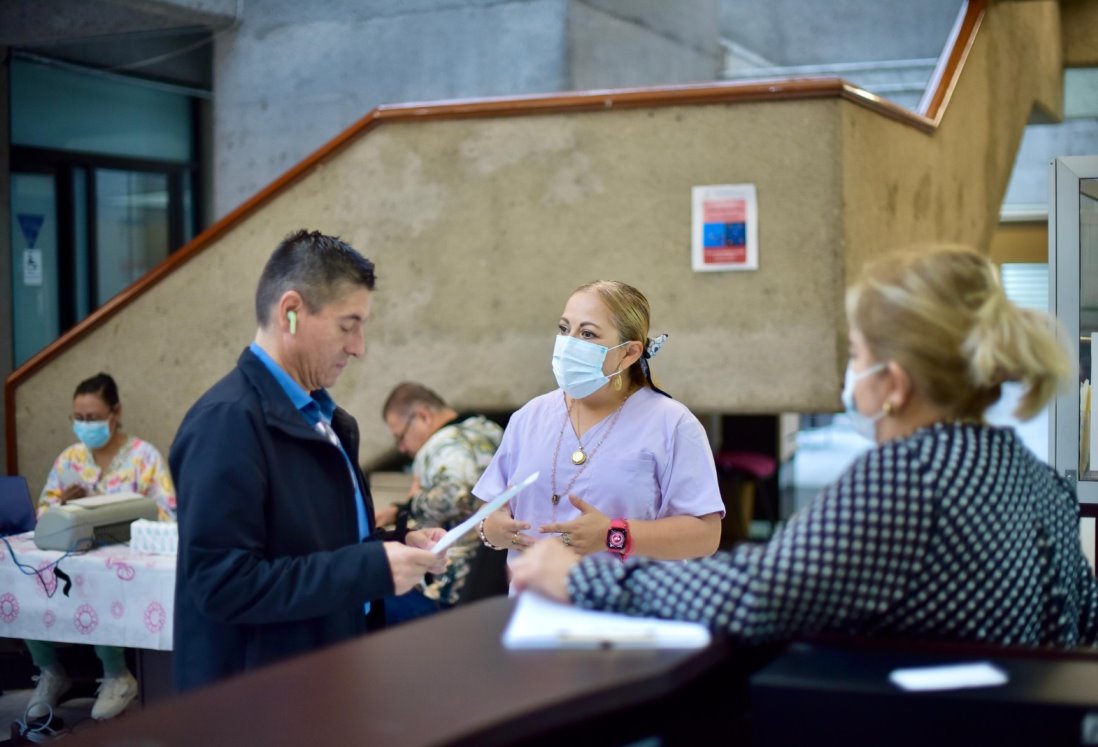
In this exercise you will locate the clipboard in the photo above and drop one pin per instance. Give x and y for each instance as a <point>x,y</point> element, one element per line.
<point>490,506</point>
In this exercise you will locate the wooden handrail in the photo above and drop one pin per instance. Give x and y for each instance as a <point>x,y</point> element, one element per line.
<point>948,71</point>
<point>587,101</point>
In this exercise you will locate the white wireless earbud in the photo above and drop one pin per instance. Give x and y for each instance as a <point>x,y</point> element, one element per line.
<point>292,316</point>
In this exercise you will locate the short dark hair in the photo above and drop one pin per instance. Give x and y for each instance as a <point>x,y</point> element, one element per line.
<point>407,395</point>
<point>316,266</point>
<point>102,386</point>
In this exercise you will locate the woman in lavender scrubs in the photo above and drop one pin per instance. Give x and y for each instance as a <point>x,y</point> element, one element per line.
<point>624,469</point>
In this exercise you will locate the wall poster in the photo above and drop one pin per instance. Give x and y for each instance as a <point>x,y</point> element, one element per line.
<point>724,228</point>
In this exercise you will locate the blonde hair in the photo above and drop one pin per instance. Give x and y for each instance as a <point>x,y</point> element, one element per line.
<point>630,312</point>
<point>941,313</point>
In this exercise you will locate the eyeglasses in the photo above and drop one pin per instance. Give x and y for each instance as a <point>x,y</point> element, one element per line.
<point>399,439</point>
<point>78,418</point>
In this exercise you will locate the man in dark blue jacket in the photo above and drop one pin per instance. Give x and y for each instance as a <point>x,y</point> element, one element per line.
<point>277,553</point>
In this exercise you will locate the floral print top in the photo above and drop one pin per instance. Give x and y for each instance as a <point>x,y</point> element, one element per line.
<point>137,468</point>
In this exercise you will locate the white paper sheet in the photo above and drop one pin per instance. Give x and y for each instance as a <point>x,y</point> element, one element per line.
<point>949,677</point>
<point>538,622</point>
<point>493,505</point>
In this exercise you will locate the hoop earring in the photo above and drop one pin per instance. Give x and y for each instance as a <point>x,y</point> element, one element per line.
<point>617,382</point>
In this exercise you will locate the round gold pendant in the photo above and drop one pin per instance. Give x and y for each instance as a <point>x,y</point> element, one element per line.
<point>578,457</point>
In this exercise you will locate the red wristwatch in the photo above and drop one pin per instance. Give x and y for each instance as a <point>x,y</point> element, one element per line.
<point>618,539</point>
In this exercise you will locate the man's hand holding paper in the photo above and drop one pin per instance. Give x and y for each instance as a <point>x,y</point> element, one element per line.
<point>428,539</point>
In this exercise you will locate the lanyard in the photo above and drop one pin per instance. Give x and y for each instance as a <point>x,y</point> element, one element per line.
<point>328,432</point>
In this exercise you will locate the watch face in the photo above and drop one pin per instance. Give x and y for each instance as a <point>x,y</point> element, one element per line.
<point>615,539</point>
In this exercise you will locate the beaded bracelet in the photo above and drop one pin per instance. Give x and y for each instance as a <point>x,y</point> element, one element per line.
<point>484,537</point>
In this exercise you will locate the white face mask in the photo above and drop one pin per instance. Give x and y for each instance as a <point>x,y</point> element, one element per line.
<point>577,365</point>
<point>864,425</point>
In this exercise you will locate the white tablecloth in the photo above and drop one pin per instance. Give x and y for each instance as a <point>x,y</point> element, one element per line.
<point>117,597</point>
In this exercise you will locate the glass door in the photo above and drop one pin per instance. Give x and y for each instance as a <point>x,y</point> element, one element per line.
<point>35,286</point>
<point>85,228</point>
<point>132,227</point>
<point>1073,281</point>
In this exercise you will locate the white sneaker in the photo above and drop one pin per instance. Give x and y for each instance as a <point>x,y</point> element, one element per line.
<point>115,693</point>
<point>51,686</point>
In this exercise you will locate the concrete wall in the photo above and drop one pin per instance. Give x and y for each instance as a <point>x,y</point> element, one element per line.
<point>903,192</point>
<point>34,22</point>
<point>1080,32</point>
<point>292,75</point>
<point>795,32</point>
<point>617,43</point>
<point>1077,134</point>
<point>1024,241</point>
<point>1027,190</point>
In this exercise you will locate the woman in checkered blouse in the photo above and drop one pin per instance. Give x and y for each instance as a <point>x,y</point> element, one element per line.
<point>950,529</point>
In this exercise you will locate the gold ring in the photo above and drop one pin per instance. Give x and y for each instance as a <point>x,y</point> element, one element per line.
<point>566,539</point>
<point>514,539</point>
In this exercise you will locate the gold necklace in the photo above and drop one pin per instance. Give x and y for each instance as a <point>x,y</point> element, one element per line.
<point>579,456</point>
<point>582,464</point>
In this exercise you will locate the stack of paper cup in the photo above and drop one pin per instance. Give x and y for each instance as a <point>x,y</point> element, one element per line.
<point>156,537</point>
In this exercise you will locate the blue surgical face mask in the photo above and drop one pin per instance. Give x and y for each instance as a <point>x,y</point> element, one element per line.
<point>865,425</point>
<point>577,364</point>
<point>93,433</point>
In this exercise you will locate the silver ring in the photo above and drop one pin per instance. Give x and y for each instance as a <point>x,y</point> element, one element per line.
<point>566,539</point>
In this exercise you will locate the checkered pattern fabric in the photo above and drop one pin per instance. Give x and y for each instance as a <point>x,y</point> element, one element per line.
<point>955,533</point>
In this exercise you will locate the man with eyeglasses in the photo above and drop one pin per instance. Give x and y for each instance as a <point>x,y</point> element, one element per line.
<point>450,452</point>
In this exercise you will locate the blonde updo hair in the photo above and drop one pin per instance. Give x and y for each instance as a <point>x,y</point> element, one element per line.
<point>631,313</point>
<point>941,313</point>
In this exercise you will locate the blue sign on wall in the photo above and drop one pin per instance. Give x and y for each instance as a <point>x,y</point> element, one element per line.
<point>30,224</point>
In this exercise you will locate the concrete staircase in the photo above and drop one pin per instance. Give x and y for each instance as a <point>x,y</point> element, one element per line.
<point>903,82</point>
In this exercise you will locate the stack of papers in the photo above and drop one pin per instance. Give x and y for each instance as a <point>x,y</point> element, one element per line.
<point>538,622</point>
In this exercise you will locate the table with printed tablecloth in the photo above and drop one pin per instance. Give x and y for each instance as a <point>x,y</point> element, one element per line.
<point>113,595</point>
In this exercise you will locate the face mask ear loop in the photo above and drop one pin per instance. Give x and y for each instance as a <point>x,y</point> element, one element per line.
<point>619,374</point>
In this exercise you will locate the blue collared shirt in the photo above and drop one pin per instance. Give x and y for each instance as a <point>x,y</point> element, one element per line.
<point>316,407</point>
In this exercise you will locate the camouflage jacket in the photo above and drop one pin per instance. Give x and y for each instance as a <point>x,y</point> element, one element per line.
<point>448,465</point>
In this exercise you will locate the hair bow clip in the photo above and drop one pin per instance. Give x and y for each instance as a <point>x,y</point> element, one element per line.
<point>654,346</point>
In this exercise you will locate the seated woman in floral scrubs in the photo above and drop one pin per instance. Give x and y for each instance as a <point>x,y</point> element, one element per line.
<point>105,460</point>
